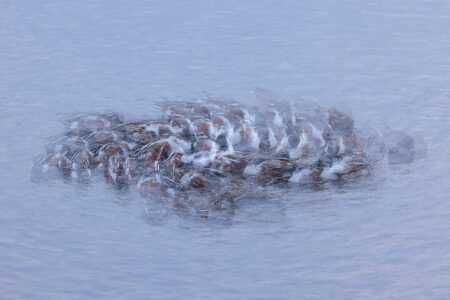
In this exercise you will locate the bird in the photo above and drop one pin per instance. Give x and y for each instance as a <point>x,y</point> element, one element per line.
<point>209,146</point>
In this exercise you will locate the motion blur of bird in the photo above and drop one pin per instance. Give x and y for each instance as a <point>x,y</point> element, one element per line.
<point>212,147</point>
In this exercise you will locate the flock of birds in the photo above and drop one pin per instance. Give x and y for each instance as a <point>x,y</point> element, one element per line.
<point>215,150</point>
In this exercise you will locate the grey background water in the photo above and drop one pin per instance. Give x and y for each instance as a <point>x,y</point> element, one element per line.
<point>386,236</point>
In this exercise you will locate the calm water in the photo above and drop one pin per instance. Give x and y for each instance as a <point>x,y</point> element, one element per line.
<point>386,236</point>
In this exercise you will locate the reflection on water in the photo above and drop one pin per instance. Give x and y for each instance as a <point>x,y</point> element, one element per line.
<point>382,236</point>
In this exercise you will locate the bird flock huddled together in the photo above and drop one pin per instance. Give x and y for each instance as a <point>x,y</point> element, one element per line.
<point>213,147</point>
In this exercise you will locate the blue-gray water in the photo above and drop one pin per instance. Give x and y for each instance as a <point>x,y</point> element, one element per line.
<point>385,236</point>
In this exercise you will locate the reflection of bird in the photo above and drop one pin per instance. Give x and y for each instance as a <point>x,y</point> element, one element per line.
<point>207,145</point>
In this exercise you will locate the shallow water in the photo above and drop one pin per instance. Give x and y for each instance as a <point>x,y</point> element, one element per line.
<point>385,236</point>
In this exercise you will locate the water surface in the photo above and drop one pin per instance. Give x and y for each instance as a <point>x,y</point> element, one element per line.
<point>386,236</point>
